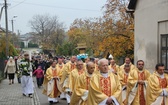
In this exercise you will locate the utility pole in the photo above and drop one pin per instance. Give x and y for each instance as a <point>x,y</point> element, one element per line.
<point>6,21</point>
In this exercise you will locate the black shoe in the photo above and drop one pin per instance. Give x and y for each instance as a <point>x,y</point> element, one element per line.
<point>68,103</point>
<point>24,94</point>
<point>63,98</point>
<point>30,95</point>
<point>51,102</point>
<point>56,102</point>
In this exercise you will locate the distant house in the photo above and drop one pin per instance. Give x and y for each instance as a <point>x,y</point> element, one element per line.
<point>151,31</point>
<point>27,38</point>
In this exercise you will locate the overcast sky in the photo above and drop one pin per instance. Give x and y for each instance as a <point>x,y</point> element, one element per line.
<point>66,10</point>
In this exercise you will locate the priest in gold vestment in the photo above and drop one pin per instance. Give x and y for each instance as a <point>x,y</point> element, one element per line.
<point>136,85</point>
<point>96,65</point>
<point>157,89</point>
<point>114,67</point>
<point>71,65</point>
<point>86,60</point>
<point>75,74</point>
<point>80,93</point>
<point>128,61</point>
<point>60,67</point>
<point>105,88</point>
<point>123,78</point>
<point>51,84</point>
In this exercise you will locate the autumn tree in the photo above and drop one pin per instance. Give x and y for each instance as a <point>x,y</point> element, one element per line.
<point>120,37</point>
<point>49,31</point>
<point>12,50</point>
<point>111,33</point>
<point>89,31</point>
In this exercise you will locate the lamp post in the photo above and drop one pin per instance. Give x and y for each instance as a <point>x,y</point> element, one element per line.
<point>12,21</point>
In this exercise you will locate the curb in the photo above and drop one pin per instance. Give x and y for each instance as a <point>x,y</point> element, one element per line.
<point>36,100</point>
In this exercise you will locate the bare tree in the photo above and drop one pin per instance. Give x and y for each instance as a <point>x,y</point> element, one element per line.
<point>49,31</point>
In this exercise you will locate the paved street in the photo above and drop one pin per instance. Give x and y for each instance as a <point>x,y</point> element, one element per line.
<point>43,99</point>
<point>12,94</point>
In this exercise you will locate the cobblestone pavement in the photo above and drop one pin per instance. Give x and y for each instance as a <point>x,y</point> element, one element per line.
<point>12,94</point>
<point>43,99</point>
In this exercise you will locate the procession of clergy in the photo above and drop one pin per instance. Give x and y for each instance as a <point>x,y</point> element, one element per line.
<point>98,83</point>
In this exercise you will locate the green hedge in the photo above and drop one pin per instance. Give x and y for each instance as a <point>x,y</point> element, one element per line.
<point>32,45</point>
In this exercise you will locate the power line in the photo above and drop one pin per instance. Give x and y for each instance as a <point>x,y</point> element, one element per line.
<point>51,6</point>
<point>18,4</point>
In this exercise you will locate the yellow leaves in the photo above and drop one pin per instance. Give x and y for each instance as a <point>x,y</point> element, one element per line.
<point>12,50</point>
<point>104,35</point>
<point>112,33</point>
<point>116,45</point>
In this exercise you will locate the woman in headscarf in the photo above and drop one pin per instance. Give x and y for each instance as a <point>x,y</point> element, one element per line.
<point>10,69</point>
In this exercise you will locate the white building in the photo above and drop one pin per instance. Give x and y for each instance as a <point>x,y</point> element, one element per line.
<point>151,31</point>
<point>26,38</point>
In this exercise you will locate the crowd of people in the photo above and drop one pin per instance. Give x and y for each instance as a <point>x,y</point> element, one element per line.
<point>94,81</point>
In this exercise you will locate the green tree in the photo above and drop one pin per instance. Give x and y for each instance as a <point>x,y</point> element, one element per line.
<point>67,49</point>
<point>12,50</point>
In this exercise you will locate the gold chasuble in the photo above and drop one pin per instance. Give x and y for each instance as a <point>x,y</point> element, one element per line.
<point>73,77</point>
<point>80,94</point>
<point>50,83</point>
<point>96,71</point>
<point>123,78</point>
<point>84,66</point>
<point>65,74</point>
<point>60,68</point>
<point>102,88</point>
<point>156,90</point>
<point>96,67</point>
<point>115,67</point>
<point>136,92</point>
<point>132,67</point>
